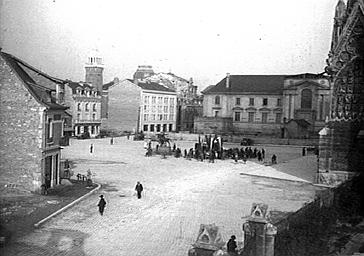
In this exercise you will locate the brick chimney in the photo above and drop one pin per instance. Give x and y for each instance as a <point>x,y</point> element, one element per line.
<point>227,80</point>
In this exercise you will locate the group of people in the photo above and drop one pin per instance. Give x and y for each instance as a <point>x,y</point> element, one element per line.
<point>102,203</point>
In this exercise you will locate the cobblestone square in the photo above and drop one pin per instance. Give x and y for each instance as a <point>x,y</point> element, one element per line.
<point>179,195</point>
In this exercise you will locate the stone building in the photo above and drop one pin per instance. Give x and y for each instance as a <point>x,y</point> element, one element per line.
<point>142,106</point>
<point>189,103</point>
<point>32,124</point>
<point>341,141</point>
<point>263,104</point>
<point>84,102</point>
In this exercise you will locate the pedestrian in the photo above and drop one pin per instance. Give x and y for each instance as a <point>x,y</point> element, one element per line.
<point>174,147</point>
<point>91,148</point>
<point>303,151</point>
<point>259,154</point>
<point>101,205</point>
<point>244,158</point>
<point>112,141</point>
<point>274,159</point>
<point>263,153</point>
<point>231,245</point>
<point>128,136</point>
<point>139,189</point>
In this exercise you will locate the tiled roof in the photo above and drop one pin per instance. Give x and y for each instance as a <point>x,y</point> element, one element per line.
<point>32,79</point>
<point>154,87</point>
<point>263,84</point>
<point>108,85</point>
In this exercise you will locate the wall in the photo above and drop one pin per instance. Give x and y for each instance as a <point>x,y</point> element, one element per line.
<point>124,103</point>
<point>20,133</point>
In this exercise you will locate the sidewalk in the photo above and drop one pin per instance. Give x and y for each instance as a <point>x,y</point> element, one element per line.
<point>20,210</point>
<point>301,169</point>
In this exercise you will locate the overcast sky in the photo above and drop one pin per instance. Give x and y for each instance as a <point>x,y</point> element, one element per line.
<point>203,39</point>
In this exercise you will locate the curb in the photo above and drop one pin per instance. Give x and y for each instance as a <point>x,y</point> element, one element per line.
<point>274,178</point>
<point>67,206</point>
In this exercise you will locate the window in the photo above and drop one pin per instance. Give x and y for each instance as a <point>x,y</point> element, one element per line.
<point>158,127</point>
<point>264,118</point>
<point>145,127</point>
<point>50,128</point>
<point>251,101</point>
<point>170,127</point>
<point>279,102</point>
<point>78,116</point>
<point>237,117</point>
<point>217,100</point>
<point>57,117</point>
<point>86,107</point>
<point>306,99</point>
<point>160,100</point>
<point>145,117</point>
<point>92,129</point>
<point>278,118</point>
<point>159,109</point>
<point>265,102</point>
<point>165,101</point>
<point>237,101</point>
<point>164,127</point>
<point>171,109</point>
<point>152,117</point>
<point>146,99</point>
<point>165,109</point>
<point>165,117</point>
<point>216,113</point>
<point>152,127</point>
<point>171,101</point>
<point>153,99</point>
<point>93,116</point>
<point>171,117</point>
<point>160,117</point>
<point>79,106</point>
<point>251,116</point>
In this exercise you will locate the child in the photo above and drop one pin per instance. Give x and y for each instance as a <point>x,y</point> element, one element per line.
<point>101,205</point>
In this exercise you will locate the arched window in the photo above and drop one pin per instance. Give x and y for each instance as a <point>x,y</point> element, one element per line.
<point>79,106</point>
<point>86,107</point>
<point>306,99</point>
<point>94,107</point>
<point>217,100</point>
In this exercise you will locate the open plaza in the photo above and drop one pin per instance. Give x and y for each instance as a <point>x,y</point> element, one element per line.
<point>178,196</point>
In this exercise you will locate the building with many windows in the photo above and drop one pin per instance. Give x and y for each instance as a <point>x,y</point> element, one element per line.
<point>84,101</point>
<point>140,106</point>
<point>264,104</point>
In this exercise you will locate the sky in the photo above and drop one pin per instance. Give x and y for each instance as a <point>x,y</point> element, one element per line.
<point>202,39</point>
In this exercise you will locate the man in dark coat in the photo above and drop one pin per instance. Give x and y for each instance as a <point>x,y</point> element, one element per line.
<point>231,245</point>
<point>101,205</point>
<point>139,189</point>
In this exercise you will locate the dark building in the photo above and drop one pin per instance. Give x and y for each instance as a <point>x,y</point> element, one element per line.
<point>341,141</point>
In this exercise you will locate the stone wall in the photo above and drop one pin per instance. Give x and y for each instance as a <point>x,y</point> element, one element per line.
<point>20,132</point>
<point>123,107</point>
<point>325,226</point>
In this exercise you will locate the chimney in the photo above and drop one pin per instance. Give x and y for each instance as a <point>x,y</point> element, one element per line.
<point>227,80</point>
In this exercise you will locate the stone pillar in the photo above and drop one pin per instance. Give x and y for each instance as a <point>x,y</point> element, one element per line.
<point>270,233</point>
<point>259,233</point>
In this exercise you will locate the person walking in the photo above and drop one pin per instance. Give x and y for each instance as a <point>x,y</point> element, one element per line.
<point>231,245</point>
<point>274,159</point>
<point>101,205</point>
<point>91,148</point>
<point>304,151</point>
<point>139,189</point>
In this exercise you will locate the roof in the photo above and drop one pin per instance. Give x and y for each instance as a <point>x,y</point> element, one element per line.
<point>263,84</point>
<point>154,87</point>
<point>151,86</point>
<point>39,84</point>
<point>307,76</point>
<point>108,85</point>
